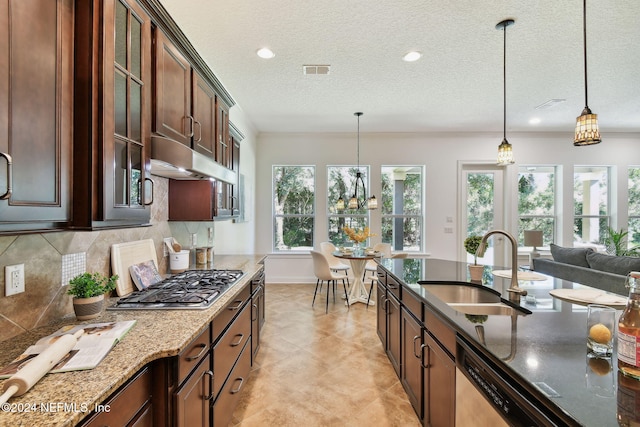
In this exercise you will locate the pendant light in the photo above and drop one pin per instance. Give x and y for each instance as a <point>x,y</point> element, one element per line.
<point>355,202</point>
<point>587,132</point>
<point>505,151</point>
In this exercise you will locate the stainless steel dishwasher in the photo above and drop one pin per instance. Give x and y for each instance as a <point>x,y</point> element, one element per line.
<point>489,386</point>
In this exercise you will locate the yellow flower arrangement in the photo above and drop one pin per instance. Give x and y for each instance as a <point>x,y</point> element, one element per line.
<point>357,236</point>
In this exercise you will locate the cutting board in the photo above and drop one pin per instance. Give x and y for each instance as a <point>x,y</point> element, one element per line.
<point>589,296</point>
<point>123,255</point>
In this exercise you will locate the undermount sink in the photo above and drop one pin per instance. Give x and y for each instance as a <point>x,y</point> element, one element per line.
<point>473,299</point>
<point>496,309</point>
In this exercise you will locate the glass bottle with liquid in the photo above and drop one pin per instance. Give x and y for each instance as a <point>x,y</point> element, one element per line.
<point>629,330</point>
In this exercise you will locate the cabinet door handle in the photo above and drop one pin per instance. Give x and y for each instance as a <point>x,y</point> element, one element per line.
<point>7,194</point>
<point>237,343</point>
<point>151,192</point>
<point>210,375</point>
<point>417,356</point>
<point>203,350</point>
<point>191,120</point>
<point>199,129</point>
<point>422,347</point>
<point>385,303</point>
<point>254,309</point>
<point>237,390</point>
<point>237,306</point>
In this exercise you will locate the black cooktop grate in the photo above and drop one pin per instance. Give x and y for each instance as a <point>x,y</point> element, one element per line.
<point>192,289</point>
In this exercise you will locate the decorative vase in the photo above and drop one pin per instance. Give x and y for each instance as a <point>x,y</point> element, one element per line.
<point>88,308</point>
<point>475,272</point>
<point>357,249</point>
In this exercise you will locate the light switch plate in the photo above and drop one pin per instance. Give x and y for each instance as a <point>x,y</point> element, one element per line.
<point>14,279</point>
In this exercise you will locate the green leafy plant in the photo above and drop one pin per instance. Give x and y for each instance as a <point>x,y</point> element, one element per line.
<point>89,285</point>
<point>471,245</point>
<point>616,243</point>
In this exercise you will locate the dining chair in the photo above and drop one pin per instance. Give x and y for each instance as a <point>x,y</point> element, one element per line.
<point>335,264</point>
<point>372,266</point>
<point>323,274</point>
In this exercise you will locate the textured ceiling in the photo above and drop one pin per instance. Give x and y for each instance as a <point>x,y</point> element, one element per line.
<point>455,86</point>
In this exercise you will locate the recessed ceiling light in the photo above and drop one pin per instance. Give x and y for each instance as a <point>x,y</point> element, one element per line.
<point>534,121</point>
<point>412,56</point>
<point>265,53</point>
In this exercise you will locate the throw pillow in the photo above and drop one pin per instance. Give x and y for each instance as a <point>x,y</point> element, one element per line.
<point>573,256</point>
<point>621,265</point>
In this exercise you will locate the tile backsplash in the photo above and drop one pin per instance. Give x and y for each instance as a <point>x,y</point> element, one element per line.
<point>50,259</point>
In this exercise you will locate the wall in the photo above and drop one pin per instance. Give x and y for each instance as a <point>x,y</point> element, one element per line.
<point>45,299</point>
<point>441,154</point>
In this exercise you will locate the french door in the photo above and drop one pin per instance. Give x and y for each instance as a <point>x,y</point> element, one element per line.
<point>482,208</point>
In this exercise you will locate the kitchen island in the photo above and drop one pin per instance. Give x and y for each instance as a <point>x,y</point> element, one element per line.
<point>65,399</point>
<point>543,354</point>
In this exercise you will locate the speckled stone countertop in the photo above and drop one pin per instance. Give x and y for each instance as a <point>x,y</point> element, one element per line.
<point>66,398</point>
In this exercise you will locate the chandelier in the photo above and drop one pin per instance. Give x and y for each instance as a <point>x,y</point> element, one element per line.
<point>359,199</point>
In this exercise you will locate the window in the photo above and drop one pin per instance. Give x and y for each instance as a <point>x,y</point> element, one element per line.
<point>340,183</point>
<point>633,238</point>
<point>402,210</point>
<point>293,207</point>
<point>590,192</point>
<point>536,202</point>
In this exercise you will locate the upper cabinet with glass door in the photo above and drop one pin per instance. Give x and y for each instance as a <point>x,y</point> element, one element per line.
<point>117,175</point>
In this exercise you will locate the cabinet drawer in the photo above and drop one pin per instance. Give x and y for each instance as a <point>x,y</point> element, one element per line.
<point>193,354</point>
<point>222,320</point>
<point>126,402</point>
<point>257,280</point>
<point>230,393</point>
<point>445,335</point>
<point>227,350</point>
<point>393,286</point>
<point>413,304</point>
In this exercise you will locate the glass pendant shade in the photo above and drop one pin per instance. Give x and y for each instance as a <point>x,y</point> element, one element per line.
<point>505,153</point>
<point>353,203</point>
<point>505,150</point>
<point>587,132</point>
<point>340,204</point>
<point>372,203</point>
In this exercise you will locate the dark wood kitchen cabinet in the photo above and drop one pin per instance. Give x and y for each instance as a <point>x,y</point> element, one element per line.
<point>172,113</point>
<point>130,406</point>
<point>204,116</point>
<point>388,317</point>
<point>257,311</point>
<point>112,115</point>
<point>439,396</point>
<point>411,372</point>
<point>36,110</point>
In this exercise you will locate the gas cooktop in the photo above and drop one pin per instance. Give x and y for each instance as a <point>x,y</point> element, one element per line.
<point>192,289</point>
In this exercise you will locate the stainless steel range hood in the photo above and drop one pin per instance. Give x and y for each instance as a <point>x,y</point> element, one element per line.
<point>174,160</point>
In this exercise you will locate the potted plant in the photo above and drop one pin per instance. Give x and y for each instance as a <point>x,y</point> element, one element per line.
<point>88,291</point>
<point>471,245</point>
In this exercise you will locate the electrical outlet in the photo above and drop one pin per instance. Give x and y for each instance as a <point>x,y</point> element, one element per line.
<point>14,279</point>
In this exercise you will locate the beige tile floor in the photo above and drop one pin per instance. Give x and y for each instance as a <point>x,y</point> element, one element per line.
<point>317,369</point>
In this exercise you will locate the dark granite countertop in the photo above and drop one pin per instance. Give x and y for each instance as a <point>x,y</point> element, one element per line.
<point>547,349</point>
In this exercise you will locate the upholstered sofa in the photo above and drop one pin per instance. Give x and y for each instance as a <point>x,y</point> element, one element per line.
<point>588,267</point>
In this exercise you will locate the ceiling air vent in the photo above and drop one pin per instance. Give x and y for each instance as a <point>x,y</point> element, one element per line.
<point>315,69</point>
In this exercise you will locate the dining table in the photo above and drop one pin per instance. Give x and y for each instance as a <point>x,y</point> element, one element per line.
<point>358,292</point>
